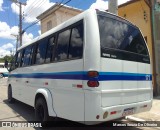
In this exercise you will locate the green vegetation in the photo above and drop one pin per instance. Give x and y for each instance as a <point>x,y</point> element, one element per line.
<point>8,58</point>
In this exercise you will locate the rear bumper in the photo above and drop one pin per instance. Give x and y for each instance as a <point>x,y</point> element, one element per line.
<point>138,107</point>
<point>119,109</point>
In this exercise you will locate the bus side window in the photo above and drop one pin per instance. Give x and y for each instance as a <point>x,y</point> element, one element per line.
<point>27,54</point>
<point>62,45</point>
<point>33,54</point>
<point>50,49</point>
<point>76,43</point>
<point>13,63</point>
<point>19,59</point>
<point>41,52</point>
<point>22,57</point>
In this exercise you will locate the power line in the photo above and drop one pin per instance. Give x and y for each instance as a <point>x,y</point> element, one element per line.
<point>44,26</point>
<point>33,3</point>
<point>35,22</point>
<point>39,5</point>
<point>33,7</point>
<point>34,29</point>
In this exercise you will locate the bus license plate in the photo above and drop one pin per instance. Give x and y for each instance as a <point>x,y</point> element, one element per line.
<point>128,111</point>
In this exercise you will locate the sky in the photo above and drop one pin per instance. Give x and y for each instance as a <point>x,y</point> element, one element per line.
<point>9,19</point>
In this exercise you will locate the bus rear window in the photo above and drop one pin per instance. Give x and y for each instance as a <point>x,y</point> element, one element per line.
<point>115,34</point>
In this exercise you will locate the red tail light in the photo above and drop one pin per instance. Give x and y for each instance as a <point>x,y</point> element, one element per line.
<point>113,112</point>
<point>93,74</point>
<point>93,83</point>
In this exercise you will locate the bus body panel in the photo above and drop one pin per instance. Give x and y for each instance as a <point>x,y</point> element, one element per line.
<point>15,91</point>
<point>120,92</point>
<point>92,47</point>
<point>68,94</point>
<point>65,92</point>
<point>16,84</point>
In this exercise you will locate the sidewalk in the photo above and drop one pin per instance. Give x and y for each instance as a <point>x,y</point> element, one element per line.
<point>152,115</point>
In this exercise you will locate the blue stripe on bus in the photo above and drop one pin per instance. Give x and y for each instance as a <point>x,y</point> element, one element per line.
<point>123,76</point>
<point>103,76</point>
<point>5,74</point>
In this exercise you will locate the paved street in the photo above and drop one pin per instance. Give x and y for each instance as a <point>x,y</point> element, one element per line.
<point>21,112</point>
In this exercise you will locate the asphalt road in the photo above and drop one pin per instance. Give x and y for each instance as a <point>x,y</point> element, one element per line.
<point>21,112</point>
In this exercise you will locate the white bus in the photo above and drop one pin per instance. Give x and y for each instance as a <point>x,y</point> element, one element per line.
<point>93,67</point>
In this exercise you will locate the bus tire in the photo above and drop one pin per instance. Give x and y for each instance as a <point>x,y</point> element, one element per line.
<point>1,75</point>
<point>41,111</point>
<point>10,98</point>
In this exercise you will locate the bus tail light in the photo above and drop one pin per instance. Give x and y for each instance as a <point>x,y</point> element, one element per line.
<point>93,83</point>
<point>113,112</point>
<point>93,74</point>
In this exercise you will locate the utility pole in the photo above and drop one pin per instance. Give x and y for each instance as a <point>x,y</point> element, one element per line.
<point>16,36</point>
<point>20,19</point>
<point>20,23</point>
<point>113,6</point>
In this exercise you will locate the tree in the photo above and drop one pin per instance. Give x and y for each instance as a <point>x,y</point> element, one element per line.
<point>8,58</point>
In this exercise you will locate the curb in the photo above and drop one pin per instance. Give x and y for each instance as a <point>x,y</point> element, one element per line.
<point>131,118</point>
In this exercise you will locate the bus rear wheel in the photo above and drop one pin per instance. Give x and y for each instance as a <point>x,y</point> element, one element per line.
<point>41,111</point>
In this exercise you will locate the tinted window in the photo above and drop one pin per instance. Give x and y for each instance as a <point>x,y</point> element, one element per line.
<point>19,59</point>
<point>119,35</point>
<point>27,55</point>
<point>50,49</point>
<point>13,63</point>
<point>41,52</point>
<point>76,43</point>
<point>62,45</point>
<point>32,56</point>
